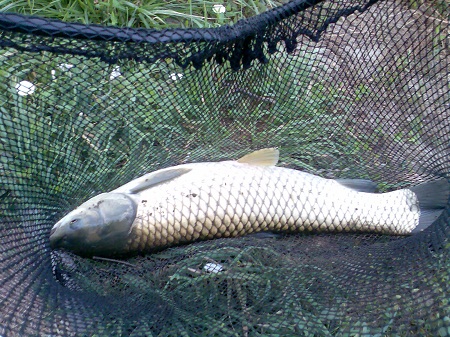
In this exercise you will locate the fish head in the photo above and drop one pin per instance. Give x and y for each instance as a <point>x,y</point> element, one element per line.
<point>100,226</point>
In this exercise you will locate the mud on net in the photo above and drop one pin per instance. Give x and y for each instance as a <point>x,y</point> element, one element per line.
<point>344,89</point>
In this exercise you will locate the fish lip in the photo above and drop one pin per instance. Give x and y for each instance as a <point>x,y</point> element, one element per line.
<point>56,237</point>
<point>54,241</point>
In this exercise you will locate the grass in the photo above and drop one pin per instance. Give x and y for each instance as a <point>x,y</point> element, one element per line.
<point>145,14</point>
<point>83,132</point>
<point>79,120</point>
<point>262,290</point>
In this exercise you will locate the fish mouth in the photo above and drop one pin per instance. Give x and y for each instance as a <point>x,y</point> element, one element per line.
<point>56,237</point>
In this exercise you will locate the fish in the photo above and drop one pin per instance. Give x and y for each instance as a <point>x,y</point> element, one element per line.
<point>210,200</point>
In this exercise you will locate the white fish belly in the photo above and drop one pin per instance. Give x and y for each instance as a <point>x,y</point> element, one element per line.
<point>229,199</point>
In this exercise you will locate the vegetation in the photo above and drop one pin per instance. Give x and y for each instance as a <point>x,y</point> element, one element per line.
<point>256,287</point>
<point>90,126</point>
<point>87,126</point>
<point>147,13</point>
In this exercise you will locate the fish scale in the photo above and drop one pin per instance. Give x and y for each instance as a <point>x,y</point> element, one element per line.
<point>200,201</point>
<point>229,199</point>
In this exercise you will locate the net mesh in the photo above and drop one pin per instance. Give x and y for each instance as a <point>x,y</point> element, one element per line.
<point>345,89</point>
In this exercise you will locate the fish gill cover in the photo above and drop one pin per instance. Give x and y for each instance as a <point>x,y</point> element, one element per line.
<point>344,89</point>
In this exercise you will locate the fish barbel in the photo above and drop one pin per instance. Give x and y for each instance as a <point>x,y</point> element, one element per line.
<point>210,200</point>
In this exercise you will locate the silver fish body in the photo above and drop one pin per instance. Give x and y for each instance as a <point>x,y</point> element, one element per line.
<point>210,200</point>
<point>231,199</point>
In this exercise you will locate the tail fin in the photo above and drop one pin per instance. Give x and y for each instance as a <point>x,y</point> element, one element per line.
<point>433,197</point>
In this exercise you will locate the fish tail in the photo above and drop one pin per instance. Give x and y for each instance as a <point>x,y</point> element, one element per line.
<point>433,197</point>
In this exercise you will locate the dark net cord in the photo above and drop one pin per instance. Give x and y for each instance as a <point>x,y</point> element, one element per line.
<point>343,89</point>
<point>239,44</point>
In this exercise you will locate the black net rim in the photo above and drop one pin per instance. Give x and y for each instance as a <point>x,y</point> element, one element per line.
<point>242,29</point>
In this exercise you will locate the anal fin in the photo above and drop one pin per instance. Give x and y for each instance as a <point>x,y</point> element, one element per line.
<point>359,185</point>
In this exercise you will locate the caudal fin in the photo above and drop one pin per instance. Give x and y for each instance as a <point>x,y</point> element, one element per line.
<point>433,197</point>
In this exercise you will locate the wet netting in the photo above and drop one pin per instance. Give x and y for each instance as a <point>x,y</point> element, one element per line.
<point>344,89</point>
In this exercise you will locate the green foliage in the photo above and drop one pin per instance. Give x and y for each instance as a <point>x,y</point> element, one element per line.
<point>91,126</point>
<point>84,131</point>
<point>259,287</point>
<point>138,13</point>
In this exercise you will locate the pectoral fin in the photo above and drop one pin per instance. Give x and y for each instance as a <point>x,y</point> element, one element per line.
<point>151,179</point>
<point>263,157</point>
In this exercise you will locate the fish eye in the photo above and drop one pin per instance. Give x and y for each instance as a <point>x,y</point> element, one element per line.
<point>73,222</point>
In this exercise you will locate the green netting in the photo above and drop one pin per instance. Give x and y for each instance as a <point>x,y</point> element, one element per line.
<point>344,89</point>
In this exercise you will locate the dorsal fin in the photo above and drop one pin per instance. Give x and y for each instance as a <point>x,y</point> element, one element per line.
<point>151,179</point>
<point>263,157</point>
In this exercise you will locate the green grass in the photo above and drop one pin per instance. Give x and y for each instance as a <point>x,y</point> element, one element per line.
<point>81,133</point>
<point>138,13</point>
<point>262,290</point>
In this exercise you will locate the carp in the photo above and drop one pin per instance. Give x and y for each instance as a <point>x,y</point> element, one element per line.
<point>201,201</point>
